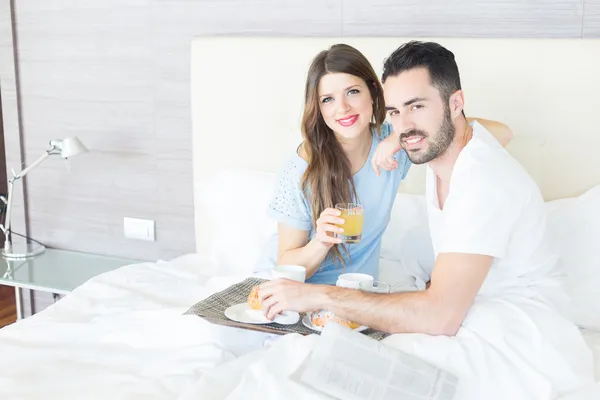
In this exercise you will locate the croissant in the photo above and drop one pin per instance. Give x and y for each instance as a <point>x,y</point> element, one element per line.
<point>320,318</point>
<point>253,300</point>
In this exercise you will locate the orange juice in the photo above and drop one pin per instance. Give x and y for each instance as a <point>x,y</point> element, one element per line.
<point>353,215</point>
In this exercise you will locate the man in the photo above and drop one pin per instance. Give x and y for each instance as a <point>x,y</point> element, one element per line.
<point>486,217</point>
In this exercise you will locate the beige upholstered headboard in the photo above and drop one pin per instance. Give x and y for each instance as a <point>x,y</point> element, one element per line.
<point>247,97</point>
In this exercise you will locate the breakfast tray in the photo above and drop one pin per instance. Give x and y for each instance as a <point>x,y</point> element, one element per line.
<point>213,309</point>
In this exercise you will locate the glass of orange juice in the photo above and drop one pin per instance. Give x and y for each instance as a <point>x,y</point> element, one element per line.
<point>353,214</point>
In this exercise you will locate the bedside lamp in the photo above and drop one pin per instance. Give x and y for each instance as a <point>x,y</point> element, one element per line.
<point>66,148</point>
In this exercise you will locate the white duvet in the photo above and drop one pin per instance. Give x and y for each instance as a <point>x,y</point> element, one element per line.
<point>122,335</point>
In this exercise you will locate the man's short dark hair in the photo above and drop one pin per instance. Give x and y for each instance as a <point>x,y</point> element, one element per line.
<point>438,60</point>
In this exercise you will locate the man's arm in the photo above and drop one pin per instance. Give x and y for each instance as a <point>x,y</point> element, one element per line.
<point>384,153</point>
<point>439,310</point>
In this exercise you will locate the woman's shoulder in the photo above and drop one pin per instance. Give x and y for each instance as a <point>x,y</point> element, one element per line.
<point>288,204</point>
<point>295,165</point>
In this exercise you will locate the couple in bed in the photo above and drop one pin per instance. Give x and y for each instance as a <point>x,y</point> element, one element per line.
<point>486,215</point>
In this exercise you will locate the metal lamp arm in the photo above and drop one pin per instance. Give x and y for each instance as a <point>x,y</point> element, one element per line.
<point>33,165</point>
<point>11,184</point>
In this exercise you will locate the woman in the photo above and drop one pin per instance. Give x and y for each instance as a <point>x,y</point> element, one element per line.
<point>342,125</point>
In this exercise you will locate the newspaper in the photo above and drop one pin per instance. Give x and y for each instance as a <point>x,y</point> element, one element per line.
<point>349,365</point>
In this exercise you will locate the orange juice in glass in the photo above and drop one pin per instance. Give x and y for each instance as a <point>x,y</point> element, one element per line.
<point>353,214</point>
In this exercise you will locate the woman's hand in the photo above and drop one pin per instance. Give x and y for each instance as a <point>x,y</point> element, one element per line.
<point>384,154</point>
<point>327,226</point>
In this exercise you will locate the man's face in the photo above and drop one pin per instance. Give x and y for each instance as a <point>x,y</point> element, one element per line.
<point>418,112</point>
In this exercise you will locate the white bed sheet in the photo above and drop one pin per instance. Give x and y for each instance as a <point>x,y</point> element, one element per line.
<point>122,335</point>
<point>488,372</point>
<point>593,341</point>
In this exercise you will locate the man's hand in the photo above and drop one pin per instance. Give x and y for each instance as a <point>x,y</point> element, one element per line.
<point>384,154</point>
<point>286,295</point>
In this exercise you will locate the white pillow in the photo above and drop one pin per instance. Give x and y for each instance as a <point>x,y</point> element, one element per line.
<point>238,200</point>
<point>575,226</point>
<point>406,247</point>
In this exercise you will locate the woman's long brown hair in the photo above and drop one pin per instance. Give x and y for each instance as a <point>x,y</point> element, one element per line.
<point>328,178</point>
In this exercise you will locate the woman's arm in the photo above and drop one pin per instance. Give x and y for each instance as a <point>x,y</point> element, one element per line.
<point>296,249</point>
<point>294,246</point>
<point>501,132</point>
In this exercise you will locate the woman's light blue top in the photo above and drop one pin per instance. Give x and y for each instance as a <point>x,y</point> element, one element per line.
<point>289,206</point>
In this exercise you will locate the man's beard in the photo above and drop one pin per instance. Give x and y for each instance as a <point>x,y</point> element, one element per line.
<point>437,147</point>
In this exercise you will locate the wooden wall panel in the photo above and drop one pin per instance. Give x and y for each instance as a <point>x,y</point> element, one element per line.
<point>466,18</point>
<point>591,19</point>
<point>116,74</point>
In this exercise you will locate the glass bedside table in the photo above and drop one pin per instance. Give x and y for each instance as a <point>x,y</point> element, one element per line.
<point>56,271</point>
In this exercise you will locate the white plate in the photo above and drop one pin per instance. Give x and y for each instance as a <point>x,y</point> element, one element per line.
<point>308,323</point>
<point>243,313</point>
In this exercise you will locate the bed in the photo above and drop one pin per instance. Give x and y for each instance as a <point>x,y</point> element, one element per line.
<point>123,335</point>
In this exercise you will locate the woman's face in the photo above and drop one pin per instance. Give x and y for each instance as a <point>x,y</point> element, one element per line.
<point>345,103</point>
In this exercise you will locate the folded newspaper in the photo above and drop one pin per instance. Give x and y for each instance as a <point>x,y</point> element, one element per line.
<point>347,365</point>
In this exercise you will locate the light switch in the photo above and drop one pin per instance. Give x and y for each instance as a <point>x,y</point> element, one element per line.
<point>136,228</point>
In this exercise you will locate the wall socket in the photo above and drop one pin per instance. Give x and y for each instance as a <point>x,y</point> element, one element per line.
<point>136,228</point>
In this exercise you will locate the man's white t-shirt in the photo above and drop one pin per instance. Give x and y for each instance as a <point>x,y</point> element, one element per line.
<point>493,208</point>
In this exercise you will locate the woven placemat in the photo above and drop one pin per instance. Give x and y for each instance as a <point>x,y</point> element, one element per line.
<point>213,309</point>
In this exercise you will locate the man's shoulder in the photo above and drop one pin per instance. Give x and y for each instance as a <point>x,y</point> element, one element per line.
<point>487,164</point>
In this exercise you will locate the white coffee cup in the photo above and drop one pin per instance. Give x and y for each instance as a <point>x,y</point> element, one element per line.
<point>293,272</point>
<point>352,280</point>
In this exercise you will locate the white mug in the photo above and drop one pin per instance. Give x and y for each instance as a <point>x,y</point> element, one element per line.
<point>293,272</point>
<point>352,280</point>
